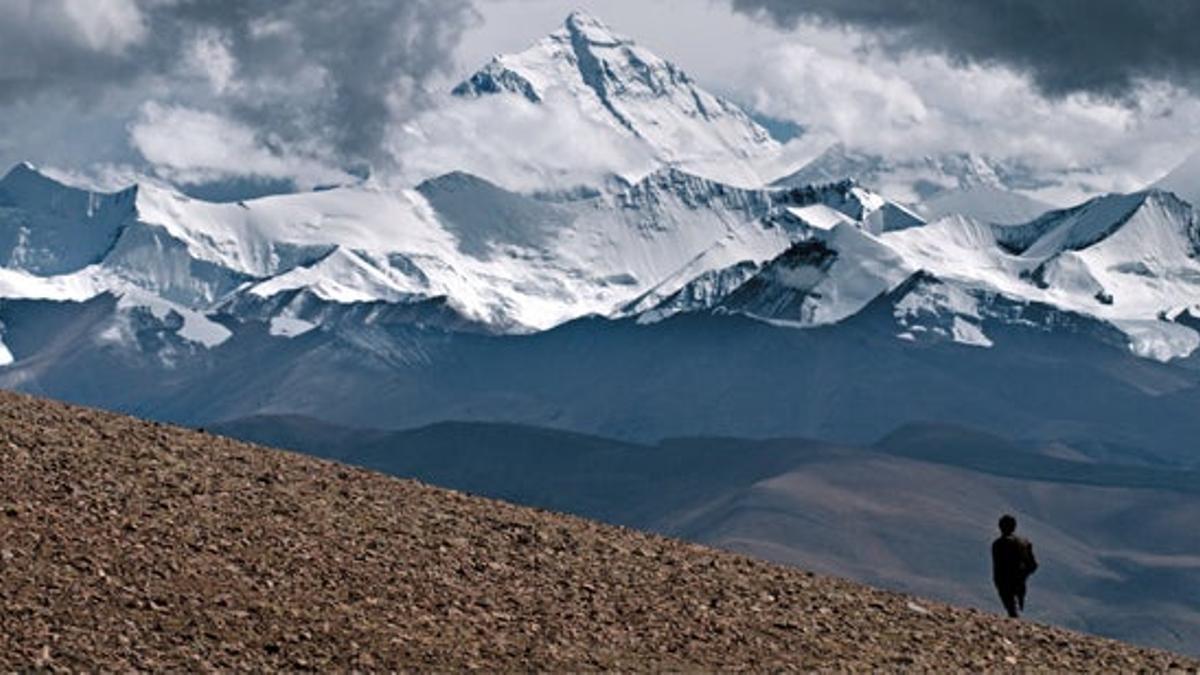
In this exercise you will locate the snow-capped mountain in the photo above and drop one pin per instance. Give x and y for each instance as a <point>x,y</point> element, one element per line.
<point>630,91</point>
<point>1127,259</point>
<point>804,213</point>
<point>927,175</point>
<point>458,252</point>
<point>928,309</point>
<point>822,280</point>
<point>461,297</point>
<point>1183,180</point>
<point>847,203</point>
<point>1131,261</point>
<point>469,254</point>
<point>936,186</point>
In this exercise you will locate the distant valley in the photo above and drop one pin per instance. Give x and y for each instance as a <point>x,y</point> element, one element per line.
<point>913,512</point>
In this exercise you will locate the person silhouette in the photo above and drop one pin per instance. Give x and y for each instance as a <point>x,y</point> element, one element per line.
<point>1012,563</point>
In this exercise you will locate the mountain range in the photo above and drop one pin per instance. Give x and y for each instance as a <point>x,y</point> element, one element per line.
<point>685,292</point>
<point>149,286</point>
<point>937,186</point>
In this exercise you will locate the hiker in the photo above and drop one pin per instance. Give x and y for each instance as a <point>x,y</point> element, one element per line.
<point>1012,563</point>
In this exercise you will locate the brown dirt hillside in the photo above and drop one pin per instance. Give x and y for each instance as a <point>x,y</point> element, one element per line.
<point>130,545</point>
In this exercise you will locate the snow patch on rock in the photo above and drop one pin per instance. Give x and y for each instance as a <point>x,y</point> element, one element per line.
<point>289,327</point>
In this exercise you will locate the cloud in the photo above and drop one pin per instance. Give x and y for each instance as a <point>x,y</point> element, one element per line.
<point>343,71</point>
<point>74,46</point>
<point>329,78</point>
<point>1106,48</point>
<point>209,56</point>
<point>193,146</point>
<point>913,104</point>
<point>842,96</point>
<point>517,144</point>
<point>843,81</point>
<point>306,89</point>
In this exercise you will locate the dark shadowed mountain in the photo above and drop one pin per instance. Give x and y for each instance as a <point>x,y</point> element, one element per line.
<point>695,374</point>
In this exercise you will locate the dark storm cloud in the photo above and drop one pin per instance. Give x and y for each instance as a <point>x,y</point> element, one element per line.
<point>300,69</point>
<point>46,45</point>
<point>375,54</point>
<point>1102,47</point>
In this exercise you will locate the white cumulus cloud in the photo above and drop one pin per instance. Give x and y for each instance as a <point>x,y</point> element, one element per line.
<point>196,146</point>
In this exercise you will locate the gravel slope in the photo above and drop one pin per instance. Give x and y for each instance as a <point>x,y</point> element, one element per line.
<point>126,544</point>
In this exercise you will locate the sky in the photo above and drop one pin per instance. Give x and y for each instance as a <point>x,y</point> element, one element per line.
<point>307,92</point>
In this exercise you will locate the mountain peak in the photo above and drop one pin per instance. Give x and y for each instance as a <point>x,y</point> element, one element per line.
<point>1165,197</point>
<point>21,172</point>
<point>628,91</point>
<point>1183,180</point>
<point>584,51</point>
<point>592,29</point>
<point>1153,220</point>
<point>930,174</point>
<point>25,181</point>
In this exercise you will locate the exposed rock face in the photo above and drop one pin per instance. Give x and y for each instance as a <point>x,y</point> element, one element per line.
<point>126,544</point>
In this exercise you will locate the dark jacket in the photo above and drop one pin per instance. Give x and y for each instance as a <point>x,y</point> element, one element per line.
<point>1012,560</point>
